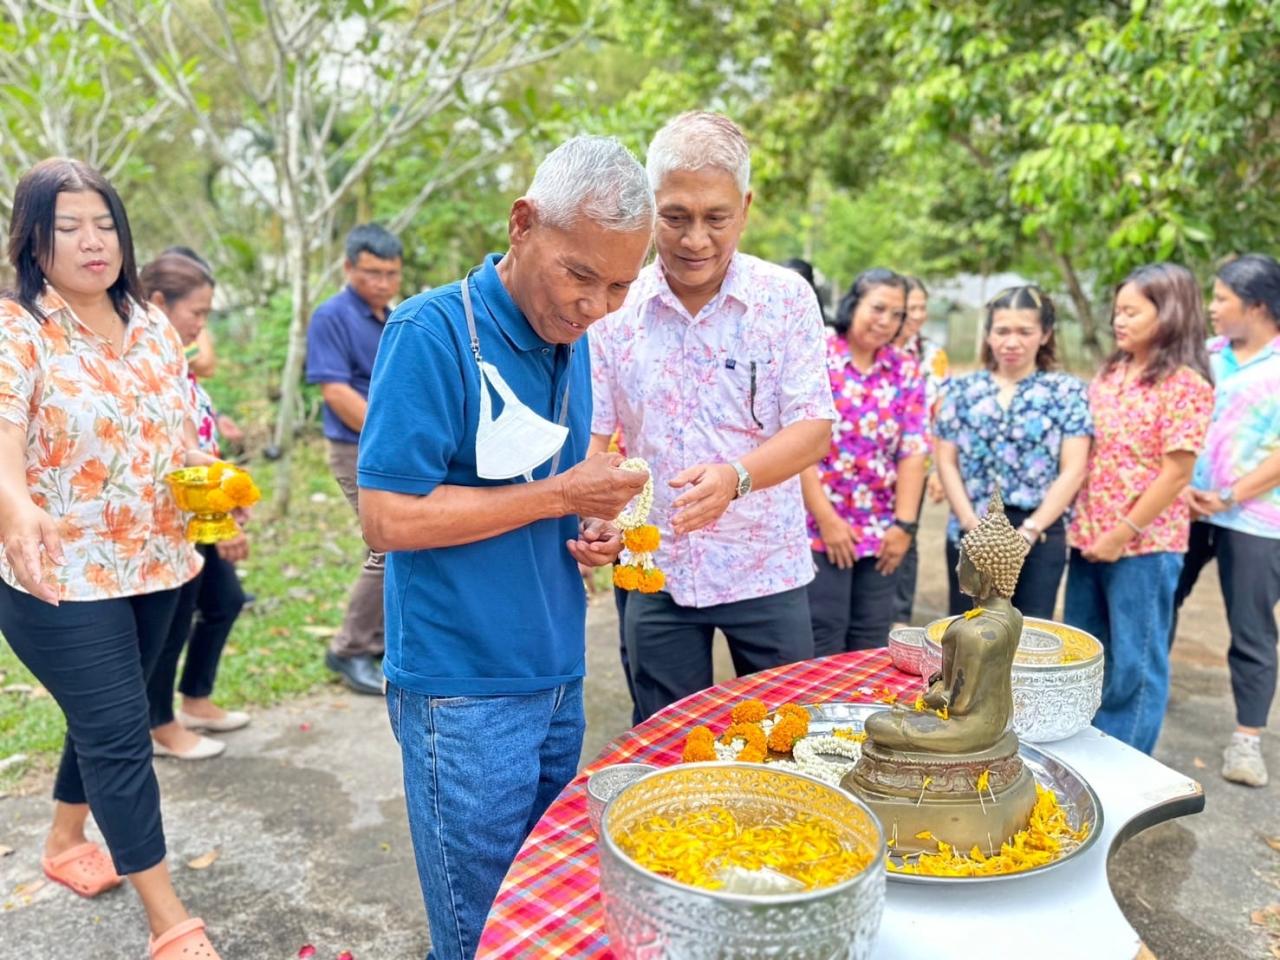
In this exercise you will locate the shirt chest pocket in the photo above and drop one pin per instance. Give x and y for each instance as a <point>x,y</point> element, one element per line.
<point>745,395</point>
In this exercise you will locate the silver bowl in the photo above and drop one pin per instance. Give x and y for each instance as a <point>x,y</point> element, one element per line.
<point>606,782</point>
<point>906,648</point>
<point>651,916</point>
<point>1052,700</point>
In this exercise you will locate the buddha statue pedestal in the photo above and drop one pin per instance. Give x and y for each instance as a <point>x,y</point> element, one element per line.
<point>914,793</point>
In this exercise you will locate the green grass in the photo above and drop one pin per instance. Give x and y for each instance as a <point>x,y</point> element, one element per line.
<point>300,569</point>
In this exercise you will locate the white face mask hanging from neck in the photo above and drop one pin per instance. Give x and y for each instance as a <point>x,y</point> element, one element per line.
<point>518,440</point>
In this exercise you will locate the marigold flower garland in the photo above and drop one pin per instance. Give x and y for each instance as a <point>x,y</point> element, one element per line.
<point>753,734</point>
<point>641,539</point>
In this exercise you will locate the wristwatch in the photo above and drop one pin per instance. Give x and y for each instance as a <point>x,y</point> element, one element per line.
<point>1227,494</point>
<point>911,527</point>
<point>744,479</point>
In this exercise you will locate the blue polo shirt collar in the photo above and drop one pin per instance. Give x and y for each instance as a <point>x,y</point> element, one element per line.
<point>493,294</point>
<point>356,302</point>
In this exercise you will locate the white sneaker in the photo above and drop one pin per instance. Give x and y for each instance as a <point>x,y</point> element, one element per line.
<point>1242,762</point>
<point>205,748</point>
<point>232,720</point>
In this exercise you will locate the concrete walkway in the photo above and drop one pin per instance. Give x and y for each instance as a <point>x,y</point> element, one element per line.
<point>306,813</point>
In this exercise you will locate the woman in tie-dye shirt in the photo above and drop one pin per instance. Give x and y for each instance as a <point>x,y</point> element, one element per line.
<point>1236,493</point>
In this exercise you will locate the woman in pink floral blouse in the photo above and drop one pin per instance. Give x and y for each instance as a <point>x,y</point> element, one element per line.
<point>863,499</point>
<point>1151,405</point>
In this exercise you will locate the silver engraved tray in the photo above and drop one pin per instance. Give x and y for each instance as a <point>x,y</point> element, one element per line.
<point>1075,795</point>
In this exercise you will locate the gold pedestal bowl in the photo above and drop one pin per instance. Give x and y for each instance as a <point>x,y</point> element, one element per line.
<point>200,491</point>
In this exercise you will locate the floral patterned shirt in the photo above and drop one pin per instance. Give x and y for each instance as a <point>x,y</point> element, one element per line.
<point>206,417</point>
<point>103,430</point>
<point>937,370</point>
<point>880,420</point>
<point>1245,432</point>
<point>1134,428</point>
<point>711,388</point>
<point>1018,448</point>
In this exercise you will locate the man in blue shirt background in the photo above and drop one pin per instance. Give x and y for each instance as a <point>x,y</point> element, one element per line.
<point>486,505</point>
<point>342,342</point>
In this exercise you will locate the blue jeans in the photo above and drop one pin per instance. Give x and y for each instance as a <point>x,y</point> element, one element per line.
<point>1128,605</point>
<point>479,772</point>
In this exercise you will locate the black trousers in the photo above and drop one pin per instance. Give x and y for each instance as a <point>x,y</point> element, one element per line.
<point>1249,575</point>
<point>908,573</point>
<point>1037,590</point>
<point>214,600</point>
<point>851,609</point>
<point>94,658</point>
<point>669,646</point>
<point>620,604</point>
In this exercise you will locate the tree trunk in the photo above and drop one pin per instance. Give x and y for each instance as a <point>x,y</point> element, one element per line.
<point>1084,308</point>
<point>291,376</point>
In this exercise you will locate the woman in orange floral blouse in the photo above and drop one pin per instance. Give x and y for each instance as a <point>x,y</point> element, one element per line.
<point>94,412</point>
<point>1151,406</point>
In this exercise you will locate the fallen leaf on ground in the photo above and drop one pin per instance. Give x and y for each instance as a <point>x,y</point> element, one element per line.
<point>1273,843</point>
<point>27,889</point>
<point>1268,916</point>
<point>5,851</point>
<point>1198,763</point>
<point>205,860</point>
<point>320,631</point>
<point>1275,949</point>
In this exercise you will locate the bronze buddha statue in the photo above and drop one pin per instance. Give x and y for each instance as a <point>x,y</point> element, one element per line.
<point>920,769</point>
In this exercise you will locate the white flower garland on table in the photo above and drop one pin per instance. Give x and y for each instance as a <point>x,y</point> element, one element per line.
<point>811,756</point>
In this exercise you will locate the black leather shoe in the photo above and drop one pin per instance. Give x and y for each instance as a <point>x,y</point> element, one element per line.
<point>360,673</point>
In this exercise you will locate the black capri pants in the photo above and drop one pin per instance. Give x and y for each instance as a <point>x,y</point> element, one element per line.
<point>94,658</point>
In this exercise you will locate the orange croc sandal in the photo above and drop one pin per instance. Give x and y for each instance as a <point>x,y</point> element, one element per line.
<point>186,941</point>
<point>85,869</point>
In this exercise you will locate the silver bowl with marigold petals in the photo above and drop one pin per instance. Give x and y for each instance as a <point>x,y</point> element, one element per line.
<point>1057,677</point>
<point>649,916</point>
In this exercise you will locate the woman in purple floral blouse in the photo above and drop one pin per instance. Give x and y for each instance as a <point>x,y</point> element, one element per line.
<point>863,499</point>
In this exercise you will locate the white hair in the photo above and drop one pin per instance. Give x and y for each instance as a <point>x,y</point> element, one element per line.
<point>592,177</point>
<point>697,140</point>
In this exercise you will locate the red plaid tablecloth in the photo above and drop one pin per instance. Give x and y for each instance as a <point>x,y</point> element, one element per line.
<point>549,903</point>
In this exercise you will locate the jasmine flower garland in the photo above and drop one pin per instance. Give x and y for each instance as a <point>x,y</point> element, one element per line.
<point>640,538</point>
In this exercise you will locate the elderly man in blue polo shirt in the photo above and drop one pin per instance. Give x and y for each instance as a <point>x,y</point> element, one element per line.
<point>342,342</point>
<point>472,477</point>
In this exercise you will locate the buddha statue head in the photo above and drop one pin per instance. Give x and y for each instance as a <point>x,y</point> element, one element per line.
<point>991,554</point>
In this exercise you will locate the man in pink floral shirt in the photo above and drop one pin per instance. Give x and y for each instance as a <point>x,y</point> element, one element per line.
<point>714,371</point>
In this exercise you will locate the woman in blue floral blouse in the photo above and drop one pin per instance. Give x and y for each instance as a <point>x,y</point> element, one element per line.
<point>1025,426</point>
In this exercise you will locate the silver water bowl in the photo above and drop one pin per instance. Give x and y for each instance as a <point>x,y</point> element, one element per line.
<point>906,648</point>
<point>606,782</point>
<point>651,916</point>
<point>1052,699</point>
